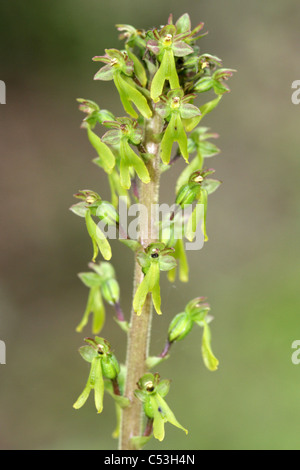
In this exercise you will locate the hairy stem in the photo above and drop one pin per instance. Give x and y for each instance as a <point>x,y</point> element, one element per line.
<point>139,334</point>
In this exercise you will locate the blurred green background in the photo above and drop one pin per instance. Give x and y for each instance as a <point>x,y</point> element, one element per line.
<point>249,269</point>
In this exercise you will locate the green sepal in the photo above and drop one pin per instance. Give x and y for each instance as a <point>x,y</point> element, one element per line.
<point>107,158</point>
<point>88,353</point>
<point>90,279</point>
<point>163,387</point>
<point>166,71</point>
<point>98,238</point>
<point>79,209</point>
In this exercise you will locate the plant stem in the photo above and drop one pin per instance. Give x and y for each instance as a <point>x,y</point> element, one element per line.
<point>140,326</point>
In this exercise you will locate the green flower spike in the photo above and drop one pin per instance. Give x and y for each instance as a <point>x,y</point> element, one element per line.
<point>103,364</point>
<point>102,284</point>
<point>174,108</point>
<point>154,259</point>
<point>120,68</point>
<point>151,393</point>
<point>126,131</point>
<point>167,45</point>
<point>132,36</point>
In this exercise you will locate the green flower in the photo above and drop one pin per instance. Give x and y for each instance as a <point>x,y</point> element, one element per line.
<point>154,259</point>
<point>215,82</point>
<point>151,393</point>
<point>197,312</point>
<point>174,108</point>
<point>103,365</point>
<point>102,284</point>
<point>94,114</point>
<point>198,143</point>
<point>197,189</point>
<point>126,131</point>
<point>92,205</point>
<point>119,67</point>
<point>167,45</point>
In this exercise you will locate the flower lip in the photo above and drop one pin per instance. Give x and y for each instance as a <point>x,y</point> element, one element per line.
<point>149,386</point>
<point>168,40</point>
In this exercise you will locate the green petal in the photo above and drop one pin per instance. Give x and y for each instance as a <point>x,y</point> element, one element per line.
<point>106,156</point>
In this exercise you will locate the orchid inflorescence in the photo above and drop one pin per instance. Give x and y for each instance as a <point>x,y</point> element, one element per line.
<point>159,73</point>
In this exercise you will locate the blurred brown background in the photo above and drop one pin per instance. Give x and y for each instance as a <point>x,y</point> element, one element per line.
<point>249,269</point>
